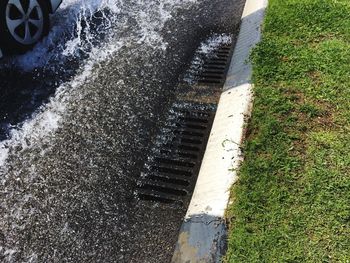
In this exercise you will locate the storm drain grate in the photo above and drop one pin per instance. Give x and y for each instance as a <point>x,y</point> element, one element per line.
<point>170,174</point>
<point>171,171</point>
<point>215,66</point>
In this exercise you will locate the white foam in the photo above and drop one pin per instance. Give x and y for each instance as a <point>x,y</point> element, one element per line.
<point>204,51</point>
<point>151,17</point>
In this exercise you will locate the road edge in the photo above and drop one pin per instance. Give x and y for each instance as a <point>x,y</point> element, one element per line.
<point>202,237</point>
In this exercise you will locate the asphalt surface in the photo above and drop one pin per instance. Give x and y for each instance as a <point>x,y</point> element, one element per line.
<point>69,196</point>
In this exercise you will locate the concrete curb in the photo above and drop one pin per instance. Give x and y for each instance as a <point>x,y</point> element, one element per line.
<point>202,236</point>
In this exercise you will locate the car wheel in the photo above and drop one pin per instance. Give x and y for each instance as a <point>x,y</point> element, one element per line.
<point>22,24</point>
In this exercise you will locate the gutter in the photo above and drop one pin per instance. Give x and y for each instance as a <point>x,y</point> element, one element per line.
<point>203,233</point>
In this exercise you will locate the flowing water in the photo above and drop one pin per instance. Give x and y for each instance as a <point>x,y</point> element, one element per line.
<point>78,115</point>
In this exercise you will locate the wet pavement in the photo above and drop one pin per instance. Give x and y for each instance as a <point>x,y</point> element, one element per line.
<point>69,171</point>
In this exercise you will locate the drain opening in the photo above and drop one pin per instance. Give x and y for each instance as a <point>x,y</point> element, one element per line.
<point>192,113</point>
<point>188,148</point>
<point>170,179</point>
<point>183,148</point>
<point>210,65</point>
<point>215,67</point>
<point>157,197</point>
<point>208,81</point>
<point>164,189</point>
<point>211,75</point>
<point>193,126</point>
<point>188,133</point>
<point>212,72</point>
<point>174,162</point>
<point>169,175</point>
<point>181,154</point>
<point>190,141</point>
<point>169,170</point>
<point>188,119</point>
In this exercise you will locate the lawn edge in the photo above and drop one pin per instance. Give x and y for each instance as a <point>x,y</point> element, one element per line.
<point>203,234</point>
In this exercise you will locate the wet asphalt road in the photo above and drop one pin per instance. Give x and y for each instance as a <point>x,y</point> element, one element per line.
<point>69,197</point>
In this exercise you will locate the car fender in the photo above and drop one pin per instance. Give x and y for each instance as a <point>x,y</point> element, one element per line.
<point>54,5</point>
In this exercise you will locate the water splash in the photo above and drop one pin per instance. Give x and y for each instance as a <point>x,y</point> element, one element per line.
<point>81,25</point>
<point>87,33</point>
<point>205,51</point>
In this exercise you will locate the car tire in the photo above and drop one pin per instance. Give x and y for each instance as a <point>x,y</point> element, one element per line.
<point>23,23</point>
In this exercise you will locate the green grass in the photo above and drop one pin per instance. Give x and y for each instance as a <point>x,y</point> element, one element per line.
<point>292,201</point>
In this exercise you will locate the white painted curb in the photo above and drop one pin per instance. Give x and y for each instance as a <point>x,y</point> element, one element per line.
<point>203,233</point>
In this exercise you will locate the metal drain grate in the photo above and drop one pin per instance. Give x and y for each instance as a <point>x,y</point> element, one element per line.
<point>170,174</point>
<point>215,66</point>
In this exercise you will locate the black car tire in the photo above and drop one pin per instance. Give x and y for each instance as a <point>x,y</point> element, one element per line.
<point>11,41</point>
